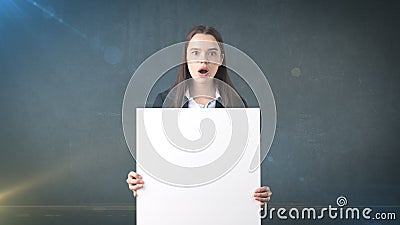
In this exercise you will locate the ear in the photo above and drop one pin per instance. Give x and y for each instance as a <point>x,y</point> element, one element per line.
<point>222,59</point>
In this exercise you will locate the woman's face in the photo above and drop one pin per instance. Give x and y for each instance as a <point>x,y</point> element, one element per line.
<point>203,56</point>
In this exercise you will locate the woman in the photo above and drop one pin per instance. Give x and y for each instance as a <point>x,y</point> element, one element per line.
<point>204,60</point>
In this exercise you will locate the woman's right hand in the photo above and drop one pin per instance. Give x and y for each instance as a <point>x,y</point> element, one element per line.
<point>135,182</point>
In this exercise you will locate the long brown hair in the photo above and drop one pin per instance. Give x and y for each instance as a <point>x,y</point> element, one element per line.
<point>222,72</point>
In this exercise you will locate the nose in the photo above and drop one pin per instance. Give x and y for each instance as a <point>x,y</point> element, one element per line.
<point>204,59</point>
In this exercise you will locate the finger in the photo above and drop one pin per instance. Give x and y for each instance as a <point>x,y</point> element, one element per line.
<point>134,181</point>
<point>135,187</point>
<point>262,200</point>
<point>134,193</point>
<point>258,190</point>
<point>133,174</point>
<point>263,194</point>
<point>262,189</point>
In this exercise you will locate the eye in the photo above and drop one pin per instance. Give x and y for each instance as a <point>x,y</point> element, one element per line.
<point>195,52</point>
<point>212,53</point>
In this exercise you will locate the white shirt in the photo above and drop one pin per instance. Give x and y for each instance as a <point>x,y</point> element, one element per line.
<point>193,104</point>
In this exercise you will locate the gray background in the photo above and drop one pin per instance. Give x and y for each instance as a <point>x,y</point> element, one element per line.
<point>64,66</point>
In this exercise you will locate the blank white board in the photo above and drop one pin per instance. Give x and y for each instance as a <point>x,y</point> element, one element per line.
<point>196,166</point>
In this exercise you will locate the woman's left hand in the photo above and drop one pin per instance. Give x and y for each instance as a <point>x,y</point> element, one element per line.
<point>262,194</point>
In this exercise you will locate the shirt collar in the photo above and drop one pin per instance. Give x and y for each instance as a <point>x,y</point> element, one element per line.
<point>217,95</point>
<point>212,102</point>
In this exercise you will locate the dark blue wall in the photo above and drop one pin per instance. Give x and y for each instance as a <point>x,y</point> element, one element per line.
<point>64,65</point>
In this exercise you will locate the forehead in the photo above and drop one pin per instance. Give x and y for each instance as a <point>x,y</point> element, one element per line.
<point>203,41</point>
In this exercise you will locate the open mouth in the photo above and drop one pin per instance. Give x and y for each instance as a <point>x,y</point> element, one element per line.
<point>203,71</point>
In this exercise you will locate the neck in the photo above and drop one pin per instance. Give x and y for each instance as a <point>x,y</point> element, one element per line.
<point>202,90</point>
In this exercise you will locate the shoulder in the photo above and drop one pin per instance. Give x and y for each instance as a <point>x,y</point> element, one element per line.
<point>160,99</point>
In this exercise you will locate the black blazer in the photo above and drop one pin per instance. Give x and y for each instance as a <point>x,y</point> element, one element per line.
<point>161,98</point>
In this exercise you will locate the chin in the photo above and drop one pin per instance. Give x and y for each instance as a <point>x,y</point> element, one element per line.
<point>203,80</point>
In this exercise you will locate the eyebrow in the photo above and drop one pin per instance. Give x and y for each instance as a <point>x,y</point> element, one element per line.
<point>213,49</point>
<point>207,49</point>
